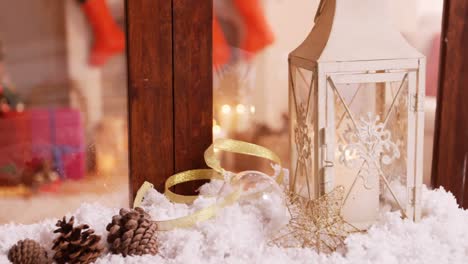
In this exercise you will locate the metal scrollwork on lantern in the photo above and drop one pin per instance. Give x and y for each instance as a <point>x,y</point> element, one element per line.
<point>356,95</point>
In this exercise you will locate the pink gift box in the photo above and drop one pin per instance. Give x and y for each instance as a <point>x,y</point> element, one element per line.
<point>56,135</point>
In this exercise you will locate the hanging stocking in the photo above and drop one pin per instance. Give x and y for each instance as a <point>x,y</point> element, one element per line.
<point>258,33</point>
<point>220,47</point>
<point>109,39</point>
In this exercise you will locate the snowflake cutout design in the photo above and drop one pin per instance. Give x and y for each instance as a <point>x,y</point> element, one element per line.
<point>369,144</point>
<point>302,138</point>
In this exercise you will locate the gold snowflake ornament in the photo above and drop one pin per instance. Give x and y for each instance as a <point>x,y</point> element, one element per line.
<point>315,223</point>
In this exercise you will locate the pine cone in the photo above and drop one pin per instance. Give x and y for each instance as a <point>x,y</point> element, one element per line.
<point>132,233</point>
<point>28,252</point>
<point>75,244</point>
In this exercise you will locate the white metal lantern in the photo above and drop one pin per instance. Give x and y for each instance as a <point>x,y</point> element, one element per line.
<point>356,95</point>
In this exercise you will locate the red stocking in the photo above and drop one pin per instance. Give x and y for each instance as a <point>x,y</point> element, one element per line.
<point>220,47</point>
<point>109,39</point>
<point>258,33</point>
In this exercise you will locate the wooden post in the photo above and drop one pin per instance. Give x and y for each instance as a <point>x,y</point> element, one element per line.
<point>169,88</point>
<point>451,129</point>
<point>193,88</point>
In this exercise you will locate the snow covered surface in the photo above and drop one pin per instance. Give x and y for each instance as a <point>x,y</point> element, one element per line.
<point>239,235</point>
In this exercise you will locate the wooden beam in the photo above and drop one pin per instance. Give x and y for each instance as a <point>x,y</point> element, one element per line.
<point>451,129</point>
<point>150,92</point>
<point>193,90</point>
<point>169,89</point>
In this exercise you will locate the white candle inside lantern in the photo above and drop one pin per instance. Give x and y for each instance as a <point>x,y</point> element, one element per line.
<point>361,204</point>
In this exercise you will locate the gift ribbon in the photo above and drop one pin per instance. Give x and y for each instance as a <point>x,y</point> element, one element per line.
<point>58,151</point>
<point>216,172</point>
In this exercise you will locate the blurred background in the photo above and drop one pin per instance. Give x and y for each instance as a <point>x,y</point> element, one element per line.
<point>63,112</point>
<point>251,43</point>
<point>63,117</point>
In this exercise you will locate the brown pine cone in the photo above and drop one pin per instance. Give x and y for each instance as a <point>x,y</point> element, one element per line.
<point>76,244</point>
<point>28,252</point>
<point>132,233</point>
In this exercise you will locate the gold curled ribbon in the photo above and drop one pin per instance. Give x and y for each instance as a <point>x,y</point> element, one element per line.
<point>186,176</point>
<point>239,147</point>
<point>216,172</point>
<point>141,193</point>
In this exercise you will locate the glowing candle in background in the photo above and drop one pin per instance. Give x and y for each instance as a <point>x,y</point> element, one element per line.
<point>240,109</point>
<point>236,118</point>
<point>226,118</point>
<point>218,132</point>
<point>242,118</point>
<point>226,109</point>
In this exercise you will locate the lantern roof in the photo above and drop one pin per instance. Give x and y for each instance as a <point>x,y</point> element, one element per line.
<point>353,30</point>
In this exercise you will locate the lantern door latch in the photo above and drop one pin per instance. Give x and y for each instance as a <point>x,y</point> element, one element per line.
<point>417,102</point>
<point>414,195</point>
<point>326,162</point>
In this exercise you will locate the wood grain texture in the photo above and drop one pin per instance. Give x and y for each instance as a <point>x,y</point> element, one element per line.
<point>193,91</point>
<point>150,92</point>
<point>451,134</point>
<point>170,89</point>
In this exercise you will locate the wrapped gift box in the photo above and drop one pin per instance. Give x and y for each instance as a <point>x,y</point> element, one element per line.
<point>55,135</point>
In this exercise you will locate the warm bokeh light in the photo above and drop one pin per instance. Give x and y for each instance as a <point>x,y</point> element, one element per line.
<point>216,130</point>
<point>240,108</point>
<point>226,109</point>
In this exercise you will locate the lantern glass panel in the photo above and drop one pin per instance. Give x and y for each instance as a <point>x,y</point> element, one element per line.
<point>303,114</point>
<point>370,141</point>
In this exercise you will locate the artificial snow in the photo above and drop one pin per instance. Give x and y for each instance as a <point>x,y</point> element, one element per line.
<point>239,234</point>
